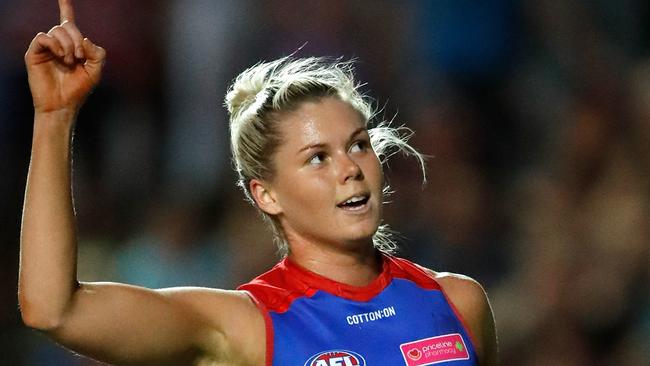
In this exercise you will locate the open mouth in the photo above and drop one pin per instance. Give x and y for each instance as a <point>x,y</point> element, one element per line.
<point>354,203</point>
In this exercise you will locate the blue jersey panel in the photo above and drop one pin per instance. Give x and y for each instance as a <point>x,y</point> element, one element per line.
<point>374,332</point>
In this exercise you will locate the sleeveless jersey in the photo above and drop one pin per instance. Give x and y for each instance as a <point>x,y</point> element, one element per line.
<point>402,318</point>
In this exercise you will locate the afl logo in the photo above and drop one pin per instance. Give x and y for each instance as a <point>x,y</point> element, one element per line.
<point>336,358</point>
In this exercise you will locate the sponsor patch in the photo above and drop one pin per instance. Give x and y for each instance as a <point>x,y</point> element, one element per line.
<point>429,351</point>
<point>336,358</point>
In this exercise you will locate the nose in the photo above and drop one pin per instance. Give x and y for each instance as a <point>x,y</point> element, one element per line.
<point>348,169</point>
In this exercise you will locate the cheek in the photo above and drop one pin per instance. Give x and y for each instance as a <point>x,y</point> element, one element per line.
<point>375,171</point>
<point>307,194</point>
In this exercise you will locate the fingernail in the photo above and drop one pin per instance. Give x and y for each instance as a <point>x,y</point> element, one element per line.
<point>79,52</point>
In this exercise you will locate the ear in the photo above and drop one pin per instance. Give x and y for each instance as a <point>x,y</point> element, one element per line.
<point>264,197</point>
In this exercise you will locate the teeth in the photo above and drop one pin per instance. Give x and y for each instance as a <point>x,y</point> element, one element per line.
<point>355,200</point>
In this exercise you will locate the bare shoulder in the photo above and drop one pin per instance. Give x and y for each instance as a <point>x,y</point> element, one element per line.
<point>465,292</point>
<point>233,312</point>
<point>471,301</point>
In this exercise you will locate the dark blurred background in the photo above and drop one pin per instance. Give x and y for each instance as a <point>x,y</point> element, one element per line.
<point>536,113</point>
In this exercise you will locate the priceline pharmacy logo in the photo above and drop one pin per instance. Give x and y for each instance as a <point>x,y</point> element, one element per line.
<point>448,347</point>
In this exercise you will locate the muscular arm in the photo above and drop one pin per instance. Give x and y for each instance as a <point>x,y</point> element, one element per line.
<point>472,303</point>
<point>112,322</point>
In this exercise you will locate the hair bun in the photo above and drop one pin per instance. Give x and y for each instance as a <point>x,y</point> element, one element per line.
<point>241,96</point>
<point>248,88</point>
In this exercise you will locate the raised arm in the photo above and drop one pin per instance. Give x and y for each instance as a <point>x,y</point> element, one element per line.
<point>112,322</point>
<point>62,68</point>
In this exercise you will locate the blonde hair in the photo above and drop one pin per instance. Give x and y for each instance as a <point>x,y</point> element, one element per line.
<point>261,93</point>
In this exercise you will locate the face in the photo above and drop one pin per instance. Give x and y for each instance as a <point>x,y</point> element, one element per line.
<point>327,185</point>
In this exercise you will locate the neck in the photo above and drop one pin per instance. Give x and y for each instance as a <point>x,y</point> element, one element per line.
<point>356,268</point>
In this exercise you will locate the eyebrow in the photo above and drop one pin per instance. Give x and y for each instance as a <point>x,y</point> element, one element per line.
<point>321,145</point>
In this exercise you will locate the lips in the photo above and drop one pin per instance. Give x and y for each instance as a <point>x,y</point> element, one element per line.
<point>355,202</point>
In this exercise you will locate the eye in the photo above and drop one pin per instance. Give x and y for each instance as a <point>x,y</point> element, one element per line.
<point>359,146</point>
<point>317,159</point>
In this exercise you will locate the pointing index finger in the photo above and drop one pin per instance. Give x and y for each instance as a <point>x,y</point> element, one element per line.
<point>66,11</point>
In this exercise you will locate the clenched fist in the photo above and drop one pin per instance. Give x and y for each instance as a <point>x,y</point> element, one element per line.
<point>62,65</point>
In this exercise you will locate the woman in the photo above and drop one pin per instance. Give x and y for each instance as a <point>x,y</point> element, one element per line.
<point>307,161</point>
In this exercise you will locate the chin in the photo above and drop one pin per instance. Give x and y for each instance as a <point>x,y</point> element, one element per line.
<point>361,233</point>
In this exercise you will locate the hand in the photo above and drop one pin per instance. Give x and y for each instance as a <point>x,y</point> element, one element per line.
<point>62,66</point>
